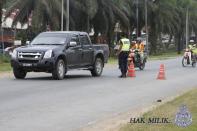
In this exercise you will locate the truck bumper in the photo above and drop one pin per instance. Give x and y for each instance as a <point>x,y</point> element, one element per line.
<point>44,65</point>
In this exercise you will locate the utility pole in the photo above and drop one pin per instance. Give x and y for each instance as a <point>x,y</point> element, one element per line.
<point>68,16</point>
<point>187,27</point>
<point>146,26</point>
<point>62,18</point>
<point>137,15</point>
<point>2,40</point>
<point>1,21</point>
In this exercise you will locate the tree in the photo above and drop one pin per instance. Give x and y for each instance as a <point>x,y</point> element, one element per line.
<point>98,14</point>
<point>1,13</point>
<point>44,12</point>
<point>164,19</point>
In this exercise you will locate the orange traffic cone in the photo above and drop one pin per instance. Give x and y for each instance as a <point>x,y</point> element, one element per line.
<point>131,70</point>
<point>161,75</point>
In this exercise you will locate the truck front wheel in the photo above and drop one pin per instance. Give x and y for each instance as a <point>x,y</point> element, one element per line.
<point>97,67</point>
<point>59,70</point>
<point>19,73</point>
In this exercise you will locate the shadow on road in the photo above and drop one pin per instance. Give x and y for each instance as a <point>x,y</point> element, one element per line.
<point>65,78</point>
<point>77,76</point>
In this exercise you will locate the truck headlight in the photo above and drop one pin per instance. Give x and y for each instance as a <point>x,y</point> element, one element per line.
<point>48,54</point>
<point>14,54</point>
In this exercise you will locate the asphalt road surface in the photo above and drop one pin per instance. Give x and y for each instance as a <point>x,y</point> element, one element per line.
<point>39,103</point>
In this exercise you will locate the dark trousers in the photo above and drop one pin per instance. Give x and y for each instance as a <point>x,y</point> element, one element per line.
<point>122,60</point>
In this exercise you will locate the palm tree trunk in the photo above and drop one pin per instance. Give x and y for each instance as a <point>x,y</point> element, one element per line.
<point>195,37</point>
<point>153,40</point>
<point>95,36</point>
<point>169,42</point>
<point>179,42</point>
<point>88,24</point>
<point>1,7</point>
<point>161,44</point>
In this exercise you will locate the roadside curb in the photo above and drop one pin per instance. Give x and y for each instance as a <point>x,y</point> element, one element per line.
<point>7,74</point>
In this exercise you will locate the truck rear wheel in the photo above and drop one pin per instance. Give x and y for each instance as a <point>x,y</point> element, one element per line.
<point>59,70</point>
<point>97,67</point>
<point>19,73</point>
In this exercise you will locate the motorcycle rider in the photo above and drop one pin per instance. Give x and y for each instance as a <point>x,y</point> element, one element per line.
<point>194,51</point>
<point>190,52</point>
<point>139,46</point>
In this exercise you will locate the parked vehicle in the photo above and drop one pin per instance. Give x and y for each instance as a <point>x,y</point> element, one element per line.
<point>59,52</point>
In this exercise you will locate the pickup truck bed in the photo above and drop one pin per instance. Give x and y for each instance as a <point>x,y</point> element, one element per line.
<point>104,48</point>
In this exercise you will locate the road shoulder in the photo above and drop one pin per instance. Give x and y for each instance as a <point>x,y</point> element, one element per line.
<point>6,74</point>
<point>117,121</point>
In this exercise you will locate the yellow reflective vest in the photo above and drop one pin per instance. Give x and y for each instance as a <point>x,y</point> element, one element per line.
<point>139,47</point>
<point>126,44</point>
<point>194,50</point>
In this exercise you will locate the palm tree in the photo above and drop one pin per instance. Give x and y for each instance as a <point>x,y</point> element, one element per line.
<point>44,12</point>
<point>98,14</point>
<point>164,19</point>
<point>82,12</point>
<point>182,7</point>
<point>106,17</point>
<point>128,8</point>
<point>1,7</point>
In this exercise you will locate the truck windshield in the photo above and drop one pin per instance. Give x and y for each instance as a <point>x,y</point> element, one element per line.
<point>50,39</point>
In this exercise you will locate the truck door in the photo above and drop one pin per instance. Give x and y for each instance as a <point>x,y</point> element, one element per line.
<point>74,53</point>
<point>88,51</point>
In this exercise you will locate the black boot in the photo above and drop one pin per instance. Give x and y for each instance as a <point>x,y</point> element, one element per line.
<point>124,76</point>
<point>120,76</point>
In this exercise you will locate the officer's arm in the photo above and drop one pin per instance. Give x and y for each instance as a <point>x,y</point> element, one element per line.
<point>120,48</point>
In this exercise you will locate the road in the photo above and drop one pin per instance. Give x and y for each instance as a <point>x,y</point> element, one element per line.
<point>39,103</point>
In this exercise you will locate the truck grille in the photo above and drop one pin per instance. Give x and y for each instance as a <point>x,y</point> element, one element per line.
<point>29,55</point>
<point>29,61</point>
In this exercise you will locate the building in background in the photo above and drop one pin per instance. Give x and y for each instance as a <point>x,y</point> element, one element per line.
<point>7,31</point>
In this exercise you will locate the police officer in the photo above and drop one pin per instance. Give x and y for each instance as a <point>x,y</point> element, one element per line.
<point>122,53</point>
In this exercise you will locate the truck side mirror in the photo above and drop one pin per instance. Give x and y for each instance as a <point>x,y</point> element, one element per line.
<point>73,44</point>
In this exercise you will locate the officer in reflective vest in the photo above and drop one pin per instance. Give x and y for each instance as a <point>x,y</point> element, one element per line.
<point>123,52</point>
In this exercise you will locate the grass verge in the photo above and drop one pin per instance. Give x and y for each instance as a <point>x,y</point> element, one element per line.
<point>169,110</point>
<point>164,56</point>
<point>4,63</point>
<point>5,67</point>
<point>113,60</point>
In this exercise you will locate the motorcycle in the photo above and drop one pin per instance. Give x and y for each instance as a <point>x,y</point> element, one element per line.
<point>134,56</point>
<point>186,59</point>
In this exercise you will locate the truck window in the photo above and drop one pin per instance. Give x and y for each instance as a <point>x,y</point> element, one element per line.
<point>84,40</point>
<point>75,38</point>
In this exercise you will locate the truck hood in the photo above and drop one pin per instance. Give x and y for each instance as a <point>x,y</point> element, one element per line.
<point>38,48</point>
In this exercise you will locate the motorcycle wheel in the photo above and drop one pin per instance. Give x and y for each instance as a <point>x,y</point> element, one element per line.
<point>184,62</point>
<point>194,64</point>
<point>142,66</point>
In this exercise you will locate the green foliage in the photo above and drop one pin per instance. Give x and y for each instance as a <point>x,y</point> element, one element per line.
<point>4,59</point>
<point>5,67</point>
<point>164,17</point>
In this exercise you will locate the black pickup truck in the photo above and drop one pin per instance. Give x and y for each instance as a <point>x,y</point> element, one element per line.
<point>58,52</point>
